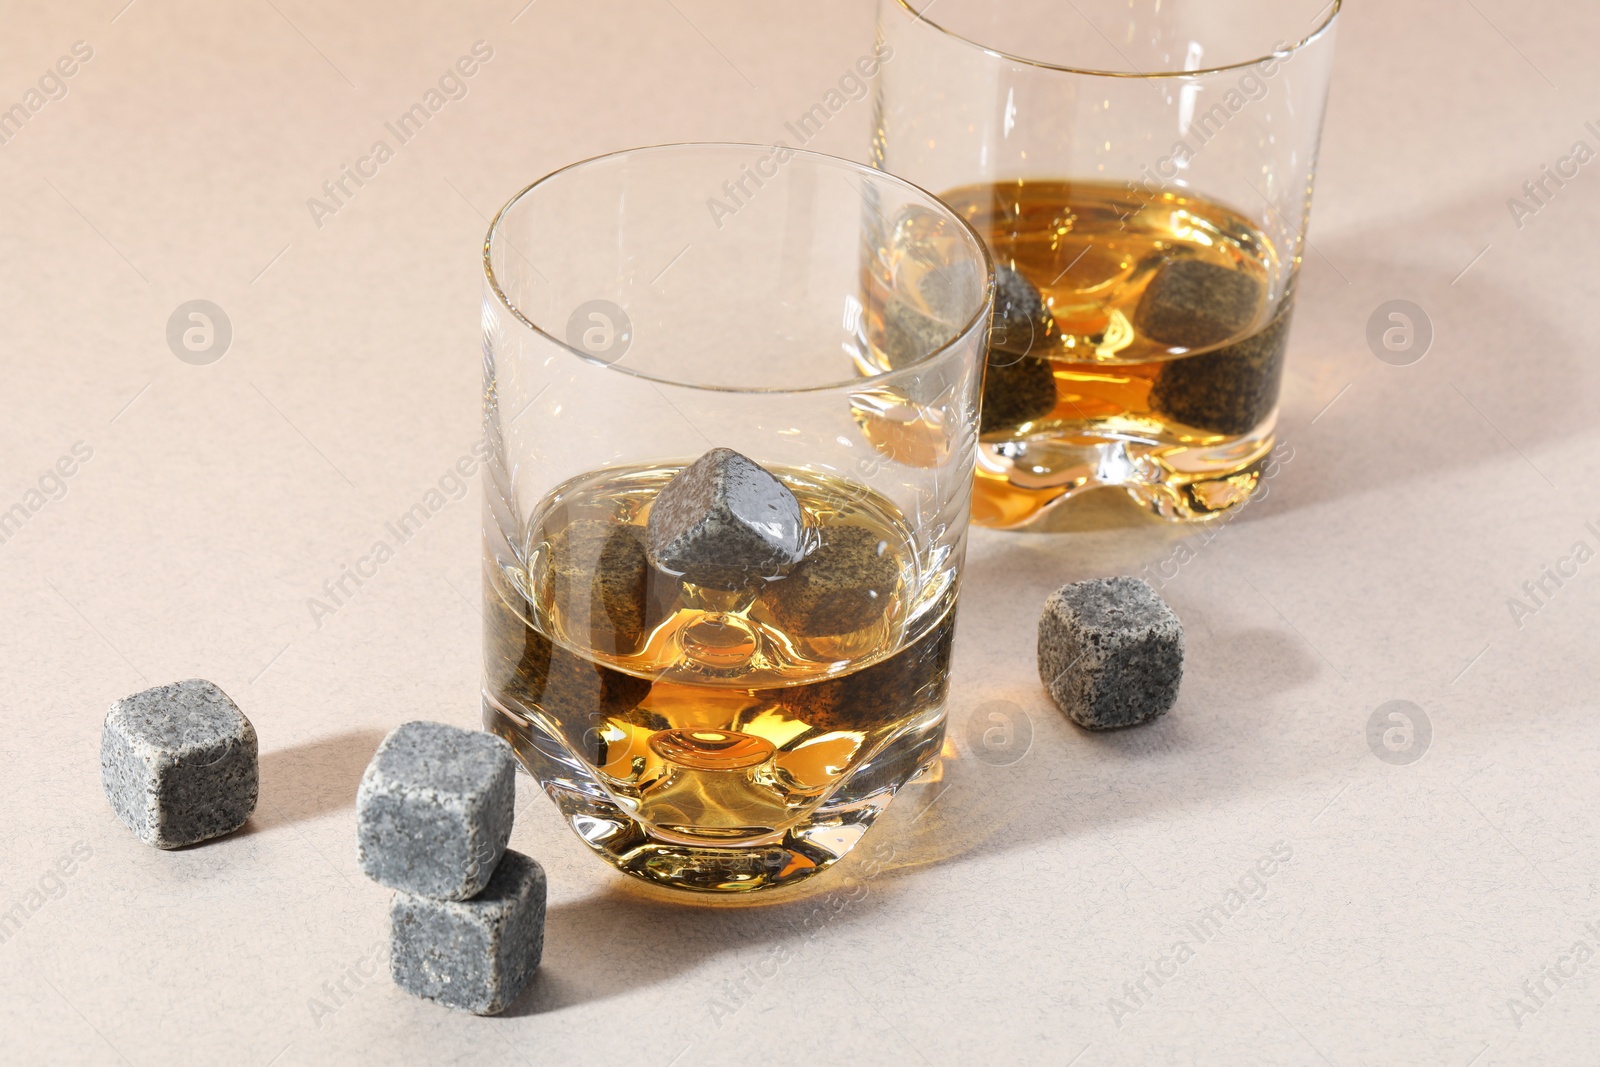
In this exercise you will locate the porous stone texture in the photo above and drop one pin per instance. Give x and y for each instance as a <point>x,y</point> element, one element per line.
<point>1020,321</point>
<point>1230,391</point>
<point>1191,303</point>
<point>1110,652</point>
<point>1017,387</point>
<point>434,810</point>
<point>949,286</point>
<point>910,335</point>
<point>179,763</point>
<point>725,521</point>
<point>478,954</point>
<point>599,570</point>
<point>843,585</point>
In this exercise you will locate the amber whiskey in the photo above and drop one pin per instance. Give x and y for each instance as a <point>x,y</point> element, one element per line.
<point>718,739</point>
<point>1167,322</point>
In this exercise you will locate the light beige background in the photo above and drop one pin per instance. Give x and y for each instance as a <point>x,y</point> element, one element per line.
<point>1001,915</point>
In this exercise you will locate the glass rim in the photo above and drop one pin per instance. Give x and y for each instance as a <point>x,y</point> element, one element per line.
<point>1317,31</point>
<point>860,381</point>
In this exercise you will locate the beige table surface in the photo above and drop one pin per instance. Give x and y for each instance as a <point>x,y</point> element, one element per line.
<point>1008,908</point>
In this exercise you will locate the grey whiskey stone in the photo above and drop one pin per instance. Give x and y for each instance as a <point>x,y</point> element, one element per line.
<point>1019,324</point>
<point>600,570</point>
<point>1229,391</point>
<point>1110,652</point>
<point>930,253</point>
<point>1193,304</point>
<point>434,810</point>
<point>897,689</point>
<point>950,286</point>
<point>1020,319</point>
<point>1017,387</point>
<point>844,584</point>
<point>178,763</point>
<point>725,521</point>
<point>910,335</point>
<point>475,954</point>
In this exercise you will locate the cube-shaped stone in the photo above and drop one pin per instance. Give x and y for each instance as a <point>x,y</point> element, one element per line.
<point>434,810</point>
<point>598,570</point>
<point>179,763</point>
<point>1229,391</point>
<point>478,954</point>
<point>1191,303</point>
<point>1018,387</point>
<point>725,521</point>
<point>1021,322</point>
<point>844,584</point>
<point>911,335</point>
<point>1017,390</point>
<point>1110,652</point>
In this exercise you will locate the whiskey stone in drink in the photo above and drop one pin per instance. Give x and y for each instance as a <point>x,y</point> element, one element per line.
<point>725,521</point>
<point>178,763</point>
<point>1016,390</point>
<point>1017,387</point>
<point>1110,652</point>
<point>604,565</point>
<point>1191,303</point>
<point>477,954</point>
<point>531,671</point>
<point>929,255</point>
<point>948,286</point>
<point>1020,321</point>
<point>1229,391</point>
<point>843,585</point>
<point>916,677</point>
<point>434,810</point>
<point>910,335</point>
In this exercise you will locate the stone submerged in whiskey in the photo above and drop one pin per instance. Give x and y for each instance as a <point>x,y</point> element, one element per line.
<point>841,586</point>
<point>1021,322</point>
<point>1165,351</point>
<point>1193,304</point>
<point>910,334</point>
<point>1231,390</point>
<point>1190,303</point>
<point>1018,385</point>
<point>741,708</point>
<point>610,565</point>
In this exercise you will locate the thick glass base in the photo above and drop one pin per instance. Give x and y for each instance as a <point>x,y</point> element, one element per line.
<point>712,861</point>
<point>1019,483</point>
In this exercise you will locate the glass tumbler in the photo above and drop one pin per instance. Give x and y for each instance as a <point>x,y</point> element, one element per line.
<point>786,350</point>
<point>1142,172</point>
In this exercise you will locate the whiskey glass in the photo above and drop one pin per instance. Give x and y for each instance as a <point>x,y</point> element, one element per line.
<point>1146,166</point>
<point>704,727</point>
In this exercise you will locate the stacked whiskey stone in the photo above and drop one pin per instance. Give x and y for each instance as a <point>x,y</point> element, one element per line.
<point>434,813</point>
